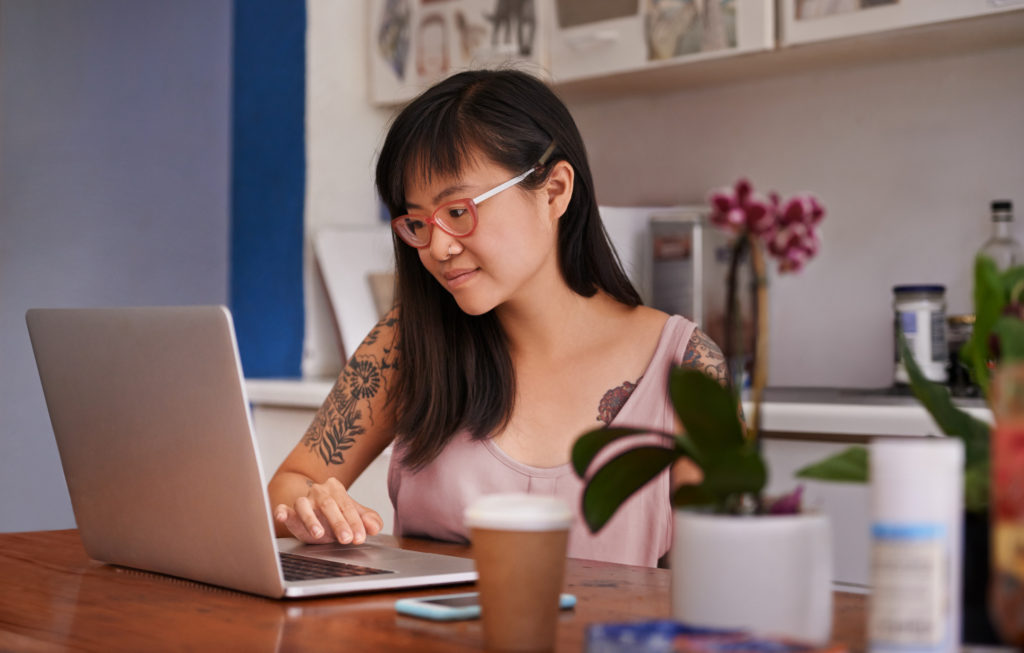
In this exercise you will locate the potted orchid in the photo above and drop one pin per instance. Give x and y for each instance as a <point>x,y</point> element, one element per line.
<point>733,565</point>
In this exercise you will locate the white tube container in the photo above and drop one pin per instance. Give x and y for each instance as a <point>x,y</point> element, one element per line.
<point>916,532</point>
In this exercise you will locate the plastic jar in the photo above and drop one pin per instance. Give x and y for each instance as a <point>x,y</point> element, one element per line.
<point>916,499</point>
<point>959,329</point>
<point>920,314</point>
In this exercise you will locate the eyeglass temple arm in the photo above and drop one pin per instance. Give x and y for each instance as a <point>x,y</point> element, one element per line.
<point>515,180</point>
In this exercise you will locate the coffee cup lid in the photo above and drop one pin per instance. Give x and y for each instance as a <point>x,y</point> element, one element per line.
<point>518,512</point>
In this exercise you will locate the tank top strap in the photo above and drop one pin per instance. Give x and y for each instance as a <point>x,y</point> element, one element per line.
<point>680,330</point>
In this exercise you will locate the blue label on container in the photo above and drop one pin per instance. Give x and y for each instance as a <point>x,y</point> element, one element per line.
<point>908,322</point>
<point>921,531</point>
<point>911,576</point>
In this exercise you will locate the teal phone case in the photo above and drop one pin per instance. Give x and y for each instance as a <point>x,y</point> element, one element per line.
<point>422,607</point>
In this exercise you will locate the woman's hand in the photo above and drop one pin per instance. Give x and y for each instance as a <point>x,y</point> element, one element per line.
<point>327,513</point>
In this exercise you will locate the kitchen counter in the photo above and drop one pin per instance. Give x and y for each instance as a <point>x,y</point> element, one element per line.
<point>851,414</point>
<point>844,414</point>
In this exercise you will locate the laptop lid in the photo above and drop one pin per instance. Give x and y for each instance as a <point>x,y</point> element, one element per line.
<point>152,424</point>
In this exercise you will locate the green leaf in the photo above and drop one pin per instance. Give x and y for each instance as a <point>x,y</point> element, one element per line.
<point>1013,283</point>
<point>734,472</point>
<point>976,486</point>
<point>692,495</point>
<point>849,466</point>
<point>591,443</point>
<point>708,411</point>
<point>618,479</point>
<point>1010,331</point>
<point>990,295</point>
<point>954,422</point>
<point>724,494</point>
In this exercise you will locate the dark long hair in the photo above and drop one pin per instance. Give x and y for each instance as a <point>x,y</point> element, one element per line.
<point>454,370</point>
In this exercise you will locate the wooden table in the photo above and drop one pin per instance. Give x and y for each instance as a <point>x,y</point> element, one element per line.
<point>53,597</point>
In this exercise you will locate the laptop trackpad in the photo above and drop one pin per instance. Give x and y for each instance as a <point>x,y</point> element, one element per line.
<point>382,556</point>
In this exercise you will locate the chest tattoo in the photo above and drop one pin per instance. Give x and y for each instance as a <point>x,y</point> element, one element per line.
<point>613,401</point>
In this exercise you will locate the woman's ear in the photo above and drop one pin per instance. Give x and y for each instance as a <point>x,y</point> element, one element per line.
<point>559,188</point>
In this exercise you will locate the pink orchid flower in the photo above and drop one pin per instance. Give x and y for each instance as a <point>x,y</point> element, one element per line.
<point>788,228</point>
<point>740,209</point>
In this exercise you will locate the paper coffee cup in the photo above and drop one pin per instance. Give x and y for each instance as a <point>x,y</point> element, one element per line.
<point>519,544</point>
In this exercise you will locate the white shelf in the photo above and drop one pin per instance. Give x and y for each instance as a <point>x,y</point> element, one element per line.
<point>825,419</point>
<point>288,393</point>
<point>998,30</point>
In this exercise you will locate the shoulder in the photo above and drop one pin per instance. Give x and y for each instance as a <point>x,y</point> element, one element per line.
<point>374,361</point>
<point>702,353</point>
<point>381,338</point>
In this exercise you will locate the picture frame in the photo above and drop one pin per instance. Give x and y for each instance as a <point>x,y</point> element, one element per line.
<point>415,43</point>
<point>807,21</point>
<point>613,36</point>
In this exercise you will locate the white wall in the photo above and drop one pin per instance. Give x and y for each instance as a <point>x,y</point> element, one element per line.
<point>114,188</point>
<point>343,135</point>
<point>906,156</point>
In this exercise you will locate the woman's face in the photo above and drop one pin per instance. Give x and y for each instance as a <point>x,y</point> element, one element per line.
<point>511,256</point>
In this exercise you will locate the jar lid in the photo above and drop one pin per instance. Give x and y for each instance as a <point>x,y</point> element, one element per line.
<point>918,289</point>
<point>961,320</point>
<point>1002,205</point>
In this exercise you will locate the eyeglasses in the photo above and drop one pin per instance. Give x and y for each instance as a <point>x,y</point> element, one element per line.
<point>457,218</point>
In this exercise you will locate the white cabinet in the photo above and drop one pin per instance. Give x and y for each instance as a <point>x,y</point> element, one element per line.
<point>804,21</point>
<point>414,43</point>
<point>599,38</point>
<point>588,48</point>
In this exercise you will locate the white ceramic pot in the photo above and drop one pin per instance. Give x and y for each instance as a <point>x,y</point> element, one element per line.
<point>769,574</point>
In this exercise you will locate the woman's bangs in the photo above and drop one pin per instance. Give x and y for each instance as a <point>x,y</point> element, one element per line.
<point>441,152</point>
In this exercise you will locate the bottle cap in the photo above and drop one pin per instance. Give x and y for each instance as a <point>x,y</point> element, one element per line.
<point>920,288</point>
<point>1002,211</point>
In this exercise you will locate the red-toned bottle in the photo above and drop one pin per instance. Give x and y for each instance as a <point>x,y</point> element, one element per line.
<point>1007,511</point>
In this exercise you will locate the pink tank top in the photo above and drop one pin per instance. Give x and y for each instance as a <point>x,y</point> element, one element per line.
<point>431,501</point>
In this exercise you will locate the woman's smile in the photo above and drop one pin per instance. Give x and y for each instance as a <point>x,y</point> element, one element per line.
<point>459,276</point>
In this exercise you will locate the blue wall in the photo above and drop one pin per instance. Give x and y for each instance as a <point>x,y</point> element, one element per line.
<point>268,184</point>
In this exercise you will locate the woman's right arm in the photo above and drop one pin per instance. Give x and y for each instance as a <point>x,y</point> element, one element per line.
<point>353,425</point>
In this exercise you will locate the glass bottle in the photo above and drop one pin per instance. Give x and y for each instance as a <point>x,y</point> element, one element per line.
<point>1002,247</point>
<point>1007,504</point>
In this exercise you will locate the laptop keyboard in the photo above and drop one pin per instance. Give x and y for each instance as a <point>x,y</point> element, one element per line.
<point>298,567</point>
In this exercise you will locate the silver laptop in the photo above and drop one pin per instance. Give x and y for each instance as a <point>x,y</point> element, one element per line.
<point>149,409</point>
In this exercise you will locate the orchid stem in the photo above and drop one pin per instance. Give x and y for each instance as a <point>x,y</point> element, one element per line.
<point>759,299</point>
<point>733,345</point>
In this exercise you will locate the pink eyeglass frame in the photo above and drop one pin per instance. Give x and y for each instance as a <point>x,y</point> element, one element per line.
<point>471,204</point>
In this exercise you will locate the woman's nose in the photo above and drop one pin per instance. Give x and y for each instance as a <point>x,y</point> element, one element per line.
<point>441,244</point>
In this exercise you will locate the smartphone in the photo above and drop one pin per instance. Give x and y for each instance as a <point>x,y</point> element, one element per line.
<point>452,607</point>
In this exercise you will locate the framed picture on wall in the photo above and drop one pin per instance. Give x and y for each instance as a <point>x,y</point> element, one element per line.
<point>600,37</point>
<point>805,21</point>
<point>415,43</point>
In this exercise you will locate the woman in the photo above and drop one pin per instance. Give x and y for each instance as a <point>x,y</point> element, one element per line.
<point>515,331</point>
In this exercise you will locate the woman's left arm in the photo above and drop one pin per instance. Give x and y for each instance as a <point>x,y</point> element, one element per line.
<point>703,354</point>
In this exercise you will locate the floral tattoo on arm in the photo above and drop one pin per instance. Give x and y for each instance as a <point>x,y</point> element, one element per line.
<point>349,406</point>
<point>703,354</point>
